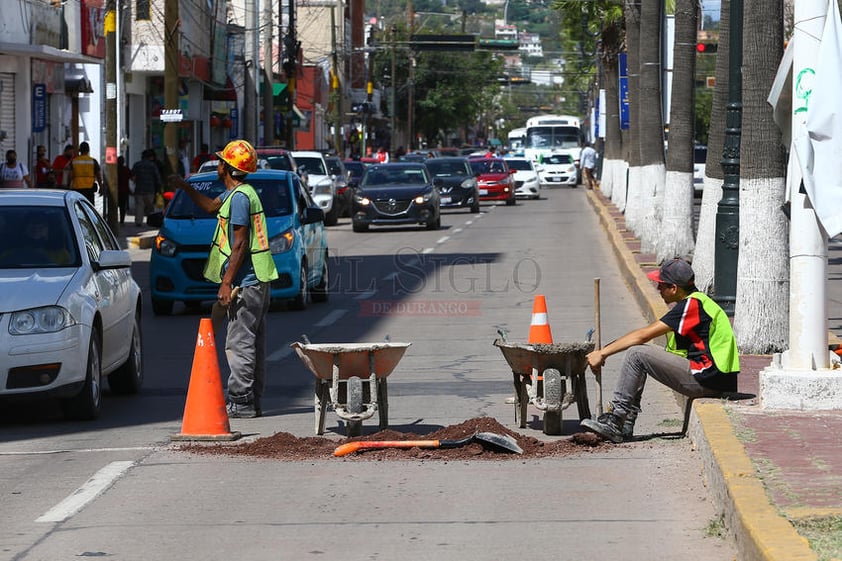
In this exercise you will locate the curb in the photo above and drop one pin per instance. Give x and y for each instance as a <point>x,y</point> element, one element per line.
<point>761,534</point>
<point>144,241</point>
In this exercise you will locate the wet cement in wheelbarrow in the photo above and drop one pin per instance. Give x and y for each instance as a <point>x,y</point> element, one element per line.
<point>283,446</point>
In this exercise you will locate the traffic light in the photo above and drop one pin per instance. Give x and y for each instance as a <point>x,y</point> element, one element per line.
<point>706,48</point>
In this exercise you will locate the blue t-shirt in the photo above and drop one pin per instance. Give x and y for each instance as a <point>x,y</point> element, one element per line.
<point>240,216</point>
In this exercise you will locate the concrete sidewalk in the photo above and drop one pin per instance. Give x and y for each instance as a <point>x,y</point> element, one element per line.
<point>765,468</point>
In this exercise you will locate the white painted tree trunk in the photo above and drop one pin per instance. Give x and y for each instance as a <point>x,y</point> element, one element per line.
<point>653,182</point>
<point>703,254</point>
<point>619,169</point>
<point>761,318</point>
<point>634,199</point>
<point>675,238</point>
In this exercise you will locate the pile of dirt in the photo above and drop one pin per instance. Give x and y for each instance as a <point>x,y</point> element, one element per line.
<point>286,447</point>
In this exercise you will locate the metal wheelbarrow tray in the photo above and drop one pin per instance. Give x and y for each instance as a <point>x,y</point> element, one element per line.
<point>351,377</point>
<point>540,372</point>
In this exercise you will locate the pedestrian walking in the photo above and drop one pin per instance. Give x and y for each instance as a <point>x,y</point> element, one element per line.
<point>587,159</point>
<point>44,177</point>
<point>14,174</point>
<point>61,167</point>
<point>147,183</point>
<point>85,173</point>
<point>239,258</point>
<point>700,358</point>
<point>124,192</point>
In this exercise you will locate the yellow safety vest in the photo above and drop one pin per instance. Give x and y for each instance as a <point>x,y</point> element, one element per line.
<point>83,172</point>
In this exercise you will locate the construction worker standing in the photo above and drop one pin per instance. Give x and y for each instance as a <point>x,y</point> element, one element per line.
<point>241,262</point>
<point>85,173</point>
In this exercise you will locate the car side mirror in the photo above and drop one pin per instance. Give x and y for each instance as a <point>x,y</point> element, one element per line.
<point>155,219</point>
<point>313,214</point>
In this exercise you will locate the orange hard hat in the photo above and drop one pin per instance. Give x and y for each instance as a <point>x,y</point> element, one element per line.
<point>240,155</point>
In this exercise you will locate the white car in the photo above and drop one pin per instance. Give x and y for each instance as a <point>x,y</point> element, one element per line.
<point>313,169</point>
<point>558,169</point>
<point>69,308</point>
<point>212,164</point>
<point>527,180</point>
<point>700,156</point>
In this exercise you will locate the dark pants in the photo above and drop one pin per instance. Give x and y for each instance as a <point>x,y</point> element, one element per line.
<point>89,193</point>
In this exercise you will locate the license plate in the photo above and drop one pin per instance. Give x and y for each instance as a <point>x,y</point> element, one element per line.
<point>483,191</point>
<point>445,200</point>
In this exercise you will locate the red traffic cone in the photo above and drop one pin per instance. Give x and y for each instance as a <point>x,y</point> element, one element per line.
<point>539,329</point>
<point>205,416</point>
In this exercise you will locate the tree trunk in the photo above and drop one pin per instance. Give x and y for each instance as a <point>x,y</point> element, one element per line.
<point>613,155</point>
<point>703,256</point>
<point>634,206</point>
<point>653,169</point>
<point>675,238</point>
<point>761,317</point>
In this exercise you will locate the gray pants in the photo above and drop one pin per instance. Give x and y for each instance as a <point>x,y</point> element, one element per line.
<point>144,205</point>
<point>670,369</point>
<point>245,344</point>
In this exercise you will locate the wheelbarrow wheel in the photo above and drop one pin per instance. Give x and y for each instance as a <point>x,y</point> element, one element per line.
<point>554,388</point>
<point>383,403</point>
<point>355,404</point>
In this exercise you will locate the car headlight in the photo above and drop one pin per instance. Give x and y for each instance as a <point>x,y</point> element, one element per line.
<point>469,183</point>
<point>48,319</point>
<point>322,188</point>
<point>362,200</point>
<point>423,198</point>
<point>165,247</point>
<point>282,242</point>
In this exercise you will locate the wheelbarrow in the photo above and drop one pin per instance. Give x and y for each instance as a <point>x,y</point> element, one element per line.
<point>351,378</point>
<point>541,373</point>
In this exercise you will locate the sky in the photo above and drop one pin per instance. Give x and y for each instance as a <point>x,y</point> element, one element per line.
<point>710,8</point>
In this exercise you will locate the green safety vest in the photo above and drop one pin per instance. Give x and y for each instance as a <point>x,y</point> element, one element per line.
<point>721,342</point>
<point>261,256</point>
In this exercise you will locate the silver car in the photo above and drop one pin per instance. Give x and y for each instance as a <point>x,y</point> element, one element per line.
<point>69,308</point>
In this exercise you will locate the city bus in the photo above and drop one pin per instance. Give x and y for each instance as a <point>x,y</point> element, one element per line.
<point>516,138</point>
<point>546,134</point>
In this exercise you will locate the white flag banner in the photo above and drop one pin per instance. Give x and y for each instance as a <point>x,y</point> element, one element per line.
<point>822,166</point>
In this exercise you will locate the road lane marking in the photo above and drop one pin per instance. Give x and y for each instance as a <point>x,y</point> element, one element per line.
<point>365,295</point>
<point>443,239</point>
<point>93,487</point>
<point>427,250</point>
<point>331,318</point>
<point>457,230</point>
<point>281,353</point>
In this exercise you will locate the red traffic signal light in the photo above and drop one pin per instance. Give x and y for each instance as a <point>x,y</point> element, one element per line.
<point>706,48</point>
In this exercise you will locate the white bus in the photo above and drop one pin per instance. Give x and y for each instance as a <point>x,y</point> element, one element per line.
<point>516,138</point>
<point>546,134</point>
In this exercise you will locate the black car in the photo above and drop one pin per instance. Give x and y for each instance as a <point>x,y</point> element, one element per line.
<point>344,194</point>
<point>400,193</point>
<point>458,187</point>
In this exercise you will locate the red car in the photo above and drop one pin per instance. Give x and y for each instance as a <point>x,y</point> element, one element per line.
<point>495,181</point>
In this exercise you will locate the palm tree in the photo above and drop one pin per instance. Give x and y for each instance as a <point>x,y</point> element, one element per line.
<point>761,317</point>
<point>651,124</point>
<point>703,256</point>
<point>675,237</point>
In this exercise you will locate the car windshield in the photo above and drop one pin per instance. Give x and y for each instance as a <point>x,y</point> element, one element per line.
<point>334,167</point>
<point>488,166</point>
<point>314,166</point>
<point>700,154</point>
<point>384,175</point>
<point>274,195</point>
<point>356,168</point>
<point>279,162</point>
<point>444,168</point>
<point>37,237</point>
<point>520,164</point>
<point>558,159</point>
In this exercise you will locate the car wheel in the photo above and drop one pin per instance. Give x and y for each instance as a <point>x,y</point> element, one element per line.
<point>359,227</point>
<point>511,202</point>
<point>128,378</point>
<point>300,302</point>
<point>86,405</point>
<point>332,216</point>
<point>162,307</point>
<point>435,224</point>
<point>475,206</point>
<point>320,291</point>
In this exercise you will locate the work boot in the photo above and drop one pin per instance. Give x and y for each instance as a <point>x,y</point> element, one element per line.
<point>628,428</point>
<point>607,425</point>
<point>242,410</point>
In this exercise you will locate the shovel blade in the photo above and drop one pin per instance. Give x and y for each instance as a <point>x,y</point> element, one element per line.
<point>500,441</point>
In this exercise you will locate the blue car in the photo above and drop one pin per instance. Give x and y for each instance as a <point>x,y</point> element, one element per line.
<point>296,235</point>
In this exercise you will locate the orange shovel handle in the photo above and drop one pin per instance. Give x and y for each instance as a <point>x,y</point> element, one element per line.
<point>352,447</point>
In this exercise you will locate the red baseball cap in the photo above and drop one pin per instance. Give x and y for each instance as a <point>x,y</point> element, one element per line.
<point>676,271</point>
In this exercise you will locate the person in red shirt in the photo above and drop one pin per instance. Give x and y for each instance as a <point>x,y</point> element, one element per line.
<point>61,166</point>
<point>382,155</point>
<point>44,177</point>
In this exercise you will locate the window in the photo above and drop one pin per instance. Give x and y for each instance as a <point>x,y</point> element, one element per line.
<point>142,9</point>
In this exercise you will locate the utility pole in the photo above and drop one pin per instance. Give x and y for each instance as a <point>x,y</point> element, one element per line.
<point>251,59</point>
<point>171,31</point>
<point>392,134</point>
<point>268,91</point>
<point>109,194</point>
<point>410,107</point>
<point>336,97</point>
<point>290,68</point>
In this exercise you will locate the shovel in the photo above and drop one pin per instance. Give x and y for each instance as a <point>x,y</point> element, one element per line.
<point>218,310</point>
<point>489,439</point>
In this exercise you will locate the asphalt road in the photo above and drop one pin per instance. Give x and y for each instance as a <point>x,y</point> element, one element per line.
<point>447,292</point>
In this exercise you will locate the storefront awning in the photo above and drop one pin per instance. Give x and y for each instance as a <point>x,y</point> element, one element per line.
<point>45,52</point>
<point>278,89</point>
<point>215,93</point>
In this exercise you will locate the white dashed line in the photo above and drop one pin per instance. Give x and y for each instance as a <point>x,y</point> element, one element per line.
<point>428,250</point>
<point>93,487</point>
<point>331,318</point>
<point>442,240</point>
<point>365,295</point>
<point>457,230</point>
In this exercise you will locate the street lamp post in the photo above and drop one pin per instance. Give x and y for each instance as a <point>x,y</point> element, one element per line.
<point>726,243</point>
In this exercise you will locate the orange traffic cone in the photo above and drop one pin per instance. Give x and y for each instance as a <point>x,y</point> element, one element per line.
<point>539,329</point>
<point>205,416</point>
